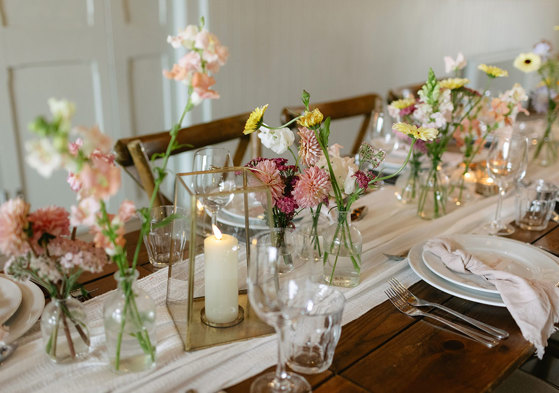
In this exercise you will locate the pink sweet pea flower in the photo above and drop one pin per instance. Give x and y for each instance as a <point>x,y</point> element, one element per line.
<point>126,211</point>
<point>100,178</point>
<point>85,213</point>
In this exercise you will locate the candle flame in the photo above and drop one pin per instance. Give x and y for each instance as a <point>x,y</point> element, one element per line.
<point>199,205</point>
<point>217,232</point>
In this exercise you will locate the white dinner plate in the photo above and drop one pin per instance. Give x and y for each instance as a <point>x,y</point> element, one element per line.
<point>508,255</point>
<point>31,308</point>
<point>418,266</point>
<point>10,299</point>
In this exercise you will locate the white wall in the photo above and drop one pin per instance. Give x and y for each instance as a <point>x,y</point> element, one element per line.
<point>336,49</point>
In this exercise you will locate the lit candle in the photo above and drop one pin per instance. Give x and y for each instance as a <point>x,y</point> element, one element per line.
<point>221,265</point>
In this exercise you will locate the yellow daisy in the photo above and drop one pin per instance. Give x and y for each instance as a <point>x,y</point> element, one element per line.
<point>255,120</point>
<point>453,83</point>
<point>310,119</point>
<point>403,103</point>
<point>425,134</point>
<point>528,62</point>
<point>492,71</point>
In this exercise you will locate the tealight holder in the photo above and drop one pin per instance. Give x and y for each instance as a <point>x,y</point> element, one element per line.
<point>206,293</point>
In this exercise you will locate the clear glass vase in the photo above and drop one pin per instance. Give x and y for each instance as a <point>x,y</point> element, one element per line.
<point>342,257</point>
<point>64,330</point>
<point>129,317</point>
<point>433,192</point>
<point>462,184</point>
<point>407,185</point>
<point>545,153</point>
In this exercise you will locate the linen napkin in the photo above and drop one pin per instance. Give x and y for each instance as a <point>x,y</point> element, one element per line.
<point>533,304</point>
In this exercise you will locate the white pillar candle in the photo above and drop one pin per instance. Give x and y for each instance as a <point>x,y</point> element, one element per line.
<point>221,267</point>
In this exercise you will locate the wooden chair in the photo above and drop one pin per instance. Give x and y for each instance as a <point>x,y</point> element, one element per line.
<point>134,153</point>
<point>341,109</point>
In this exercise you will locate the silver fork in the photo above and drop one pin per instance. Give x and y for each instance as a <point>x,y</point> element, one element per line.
<point>410,310</point>
<point>415,301</point>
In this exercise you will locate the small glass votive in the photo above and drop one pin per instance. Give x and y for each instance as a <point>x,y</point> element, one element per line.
<point>311,338</point>
<point>167,236</point>
<point>535,203</point>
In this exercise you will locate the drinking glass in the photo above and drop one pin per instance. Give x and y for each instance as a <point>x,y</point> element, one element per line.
<point>166,239</point>
<point>535,203</point>
<point>312,338</point>
<point>207,159</point>
<point>277,300</point>
<point>506,163</point>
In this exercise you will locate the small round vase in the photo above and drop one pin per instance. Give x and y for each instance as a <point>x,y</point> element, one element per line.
<point>64,330</point>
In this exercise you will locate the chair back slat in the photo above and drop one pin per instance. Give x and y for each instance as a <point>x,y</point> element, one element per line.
<point>363,105</point>
<point>134,154</point>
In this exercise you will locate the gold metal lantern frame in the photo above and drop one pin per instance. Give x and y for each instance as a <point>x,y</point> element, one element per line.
<point>185,283</point>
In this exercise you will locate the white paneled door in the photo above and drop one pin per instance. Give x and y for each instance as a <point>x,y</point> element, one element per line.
<point>105,55</point>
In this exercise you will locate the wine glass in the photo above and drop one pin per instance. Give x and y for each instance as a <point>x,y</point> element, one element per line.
<point>381,137</point>
<point>277,300</point>
<point>507,161</point>
<point>218,183</point>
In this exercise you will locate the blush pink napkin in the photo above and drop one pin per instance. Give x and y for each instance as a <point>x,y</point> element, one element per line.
<point>533,304</point>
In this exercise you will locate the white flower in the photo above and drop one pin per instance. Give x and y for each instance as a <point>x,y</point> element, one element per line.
<point>62,108</point>
<point>93,138</point>
<point>515,95</point>
<point>277,140</point>
<point>451,65</point>
<point>43,156</point>
<point>343,167</point>
<point>185,37</point>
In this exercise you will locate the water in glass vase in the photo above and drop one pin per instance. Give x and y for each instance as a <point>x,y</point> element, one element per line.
<point>342,257</point>
<point>129,317</point>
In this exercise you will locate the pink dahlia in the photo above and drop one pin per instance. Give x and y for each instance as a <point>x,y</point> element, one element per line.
<point>267,172</point>
<point>312,188</point>
<point>13,226</point>
<point>52,220</point>
<point>309,149</point>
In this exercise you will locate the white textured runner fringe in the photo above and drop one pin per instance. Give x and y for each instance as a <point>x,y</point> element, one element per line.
<point>388,227</point>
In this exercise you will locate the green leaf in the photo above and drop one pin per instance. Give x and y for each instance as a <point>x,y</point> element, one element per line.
<point>306,97</point>
<point>325,132</point>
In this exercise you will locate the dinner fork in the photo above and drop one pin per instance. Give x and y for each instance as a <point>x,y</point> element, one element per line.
<point>410,310</point>
<point>415,301</point>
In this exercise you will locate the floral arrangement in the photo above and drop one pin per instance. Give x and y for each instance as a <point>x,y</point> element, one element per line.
<point>85,154</point>
<point>320,173</point>
<point>452,108</point>
<point>41,247</point>
<point>545,98</point>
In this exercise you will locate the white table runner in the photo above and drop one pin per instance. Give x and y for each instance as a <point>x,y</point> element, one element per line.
<point>388,227</point>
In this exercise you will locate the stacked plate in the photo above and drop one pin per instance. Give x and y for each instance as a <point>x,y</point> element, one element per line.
<point>502,254</point>
<point>21,305</point>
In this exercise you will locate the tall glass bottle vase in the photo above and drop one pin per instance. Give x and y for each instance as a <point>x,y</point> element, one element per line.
<point>64,330</point>
<point>129,316</point>
<point>433,192</point>
<point>342,257</point>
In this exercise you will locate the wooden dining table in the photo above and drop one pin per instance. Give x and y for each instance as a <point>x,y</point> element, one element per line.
<point>387,351</point>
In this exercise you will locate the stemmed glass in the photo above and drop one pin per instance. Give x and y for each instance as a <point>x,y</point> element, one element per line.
<point>507,160</point>
<point>206,159</point>
<point>381,136</point>
<point>277,299</point>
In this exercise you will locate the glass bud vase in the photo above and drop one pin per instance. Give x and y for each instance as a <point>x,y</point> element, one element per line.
<point>407,185</point>
<point>546,152</point>
<point>462,184</point>
<point>342,256</point>
<point>433,192</point>
<point>129,318</point>
<point>64,330</point>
